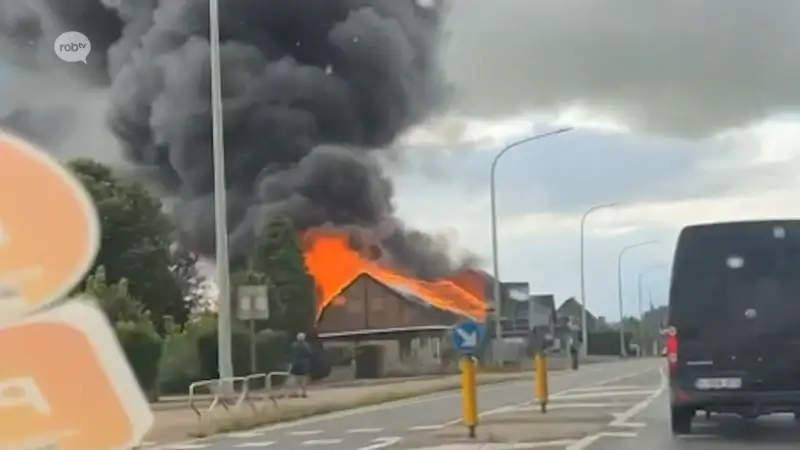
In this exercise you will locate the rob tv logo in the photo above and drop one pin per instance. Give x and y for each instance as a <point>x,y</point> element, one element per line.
<point>72,46</point>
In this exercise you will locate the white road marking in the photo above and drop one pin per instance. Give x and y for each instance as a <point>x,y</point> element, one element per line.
<point>606,388</point>
<point>514,446</point>
<point>618,434</point>
<point>323,442</point>
<point>429,427</point>
<point>622,419</point>
<point>382,442</point>
<point>587,441</point>
<point>606,394</point>
<point>245,434</point>
<point>363,430</point>
<point>186,446</point>
<point>262,444</point>
<point>554,406</point>
<point>305,432</point>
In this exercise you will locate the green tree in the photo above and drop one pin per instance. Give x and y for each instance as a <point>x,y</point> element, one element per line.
<point>279,257</point>
<point>138,244</point>
<point>114,299</point>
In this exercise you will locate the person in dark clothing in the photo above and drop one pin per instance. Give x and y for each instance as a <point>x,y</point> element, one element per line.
<point>574,348</point>
<point>301,363</point>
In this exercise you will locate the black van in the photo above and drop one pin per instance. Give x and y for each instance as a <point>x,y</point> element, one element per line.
<point>733,335</point>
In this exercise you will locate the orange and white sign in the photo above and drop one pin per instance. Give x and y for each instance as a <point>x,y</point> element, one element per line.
<point>49,231</point>
<point>64,380</point>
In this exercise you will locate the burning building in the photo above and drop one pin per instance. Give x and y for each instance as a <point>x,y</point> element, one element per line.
<point>370,311</point>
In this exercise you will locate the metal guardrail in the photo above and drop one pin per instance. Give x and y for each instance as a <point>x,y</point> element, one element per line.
<point>224,391</point>
<point>231,393</point>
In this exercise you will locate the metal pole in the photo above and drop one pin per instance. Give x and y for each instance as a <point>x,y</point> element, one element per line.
<point>640,328</point>
<point>495,259</point>
<point>253,357</point>
<point>584,328</point>
<point>225,361</point>
<point>623,350</point>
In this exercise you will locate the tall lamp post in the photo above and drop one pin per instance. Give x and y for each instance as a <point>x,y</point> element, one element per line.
<point>225,360</point>
<point>492,195</point>
<point>584,328</point>
<point>622,252</point>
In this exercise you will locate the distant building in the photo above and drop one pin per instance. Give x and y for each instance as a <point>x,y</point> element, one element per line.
<point>571,309</point>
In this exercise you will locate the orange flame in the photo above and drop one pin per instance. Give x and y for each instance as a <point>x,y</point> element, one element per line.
<point>335,265</point>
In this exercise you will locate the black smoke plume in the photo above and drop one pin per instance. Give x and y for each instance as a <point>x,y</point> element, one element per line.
<point>314,91</point>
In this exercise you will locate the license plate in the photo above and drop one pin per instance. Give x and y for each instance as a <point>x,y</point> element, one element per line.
<point>718,383</point>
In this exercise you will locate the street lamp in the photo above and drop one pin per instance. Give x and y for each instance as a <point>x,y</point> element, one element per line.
<point>492,195</point>
<point>622,252</point>
<point>584,329</point>
<point>225,359</point>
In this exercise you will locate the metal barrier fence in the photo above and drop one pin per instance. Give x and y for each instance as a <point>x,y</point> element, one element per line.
<point>254,390</point>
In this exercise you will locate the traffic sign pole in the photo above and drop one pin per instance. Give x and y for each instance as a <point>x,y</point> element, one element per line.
<point>467,337</point>
<point>469,394</point>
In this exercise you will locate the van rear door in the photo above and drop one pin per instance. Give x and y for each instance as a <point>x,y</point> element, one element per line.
<point>738,318</point>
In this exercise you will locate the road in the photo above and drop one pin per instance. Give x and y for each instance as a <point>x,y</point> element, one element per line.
<point>388,425</point>
<point>634,415</point>
<point>778,432</point>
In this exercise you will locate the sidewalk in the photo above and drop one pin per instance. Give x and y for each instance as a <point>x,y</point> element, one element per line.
<point>175,424</point>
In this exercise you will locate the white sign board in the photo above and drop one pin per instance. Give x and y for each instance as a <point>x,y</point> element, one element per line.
<point>253,303</point>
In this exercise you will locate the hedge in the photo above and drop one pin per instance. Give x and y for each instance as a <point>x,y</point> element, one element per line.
<point>143,348</point>
<point>607,343</point>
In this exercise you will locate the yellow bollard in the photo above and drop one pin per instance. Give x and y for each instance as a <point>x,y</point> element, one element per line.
<point>469,393</point>
<point>542,389</point>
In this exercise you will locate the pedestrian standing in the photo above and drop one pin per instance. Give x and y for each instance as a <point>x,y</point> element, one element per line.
<point>301,364</point>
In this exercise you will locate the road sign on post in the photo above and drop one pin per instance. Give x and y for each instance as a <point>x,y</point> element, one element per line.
<point>467,336</point>
<point>253,304</point>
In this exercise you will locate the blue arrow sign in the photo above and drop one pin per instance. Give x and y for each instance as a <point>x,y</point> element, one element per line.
<point>467,336</point>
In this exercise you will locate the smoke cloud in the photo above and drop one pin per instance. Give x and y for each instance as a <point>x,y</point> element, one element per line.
<point>314,93</point>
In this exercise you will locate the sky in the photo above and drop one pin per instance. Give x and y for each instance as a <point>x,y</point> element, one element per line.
<point>684,112</point>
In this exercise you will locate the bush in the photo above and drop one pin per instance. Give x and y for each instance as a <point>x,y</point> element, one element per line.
<point>207,346</point>
<point>321,366</point>
<point>180,364</point>
<point>143,348</point>
<point>272,350</point>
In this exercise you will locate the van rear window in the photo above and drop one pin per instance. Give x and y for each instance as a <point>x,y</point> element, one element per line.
<point>719,289</point>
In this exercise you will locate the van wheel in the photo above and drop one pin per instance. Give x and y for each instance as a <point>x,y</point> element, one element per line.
<point>682,417</point>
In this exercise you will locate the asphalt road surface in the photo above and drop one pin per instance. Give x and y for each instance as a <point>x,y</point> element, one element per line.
<point>778,432</point>
<point>388,425</point>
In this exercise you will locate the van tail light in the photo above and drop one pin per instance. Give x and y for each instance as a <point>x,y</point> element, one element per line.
<point>672,348</point>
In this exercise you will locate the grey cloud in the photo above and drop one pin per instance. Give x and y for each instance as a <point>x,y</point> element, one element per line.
<point>569,173</point>
<point>684,67</point>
